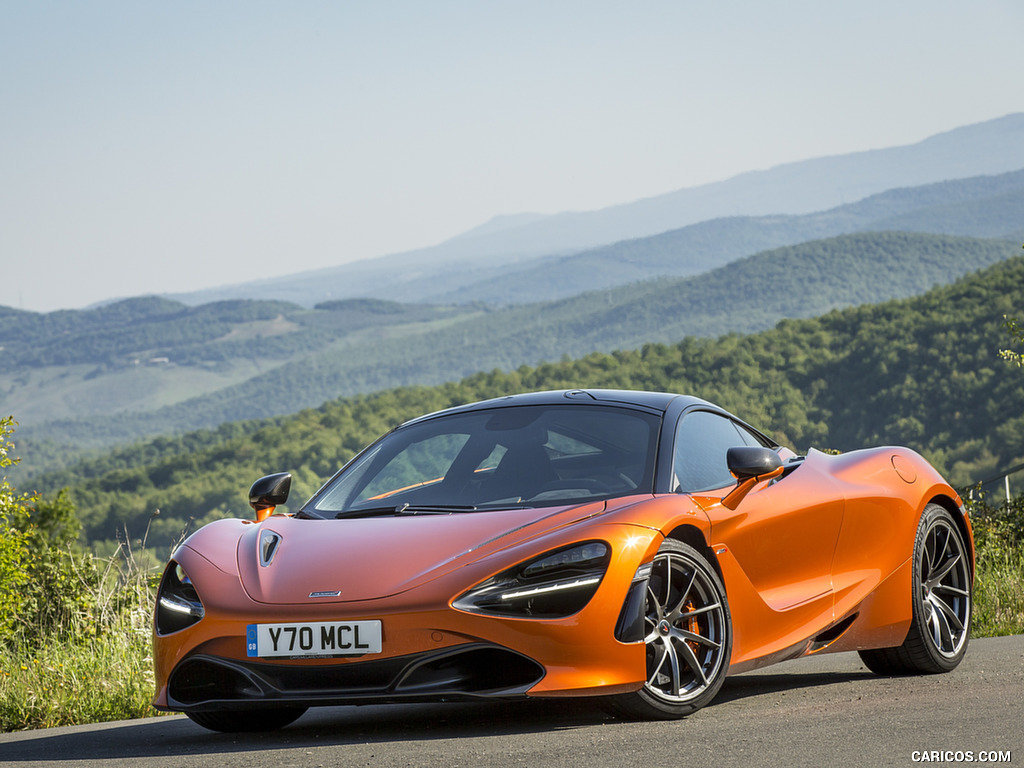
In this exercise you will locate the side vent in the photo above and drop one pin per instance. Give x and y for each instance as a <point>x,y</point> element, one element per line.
<point>830,635</point>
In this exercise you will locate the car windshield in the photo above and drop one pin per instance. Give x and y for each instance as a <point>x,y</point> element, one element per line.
<point>533,456</point>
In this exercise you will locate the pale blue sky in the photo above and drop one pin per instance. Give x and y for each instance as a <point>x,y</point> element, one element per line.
<point>153,147</point>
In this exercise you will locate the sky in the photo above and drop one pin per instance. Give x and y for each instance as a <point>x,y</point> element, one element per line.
<point>156,147</point>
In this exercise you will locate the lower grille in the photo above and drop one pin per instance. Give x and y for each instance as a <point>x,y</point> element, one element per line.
<point>468,671</point>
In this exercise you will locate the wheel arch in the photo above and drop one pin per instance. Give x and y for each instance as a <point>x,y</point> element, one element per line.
<point>692,535</point>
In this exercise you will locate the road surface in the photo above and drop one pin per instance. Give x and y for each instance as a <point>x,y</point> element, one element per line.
<point>822,711</point>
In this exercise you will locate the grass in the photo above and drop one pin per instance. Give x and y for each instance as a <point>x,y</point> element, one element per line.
<point>999,578</point>
<point>98,667</point>
<point>80,680</point>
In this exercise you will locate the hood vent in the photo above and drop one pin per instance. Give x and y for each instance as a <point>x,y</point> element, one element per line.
<point>268,546</point>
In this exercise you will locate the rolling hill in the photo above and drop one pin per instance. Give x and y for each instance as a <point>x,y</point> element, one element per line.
<point>144,353</point>
<point>745,296</point>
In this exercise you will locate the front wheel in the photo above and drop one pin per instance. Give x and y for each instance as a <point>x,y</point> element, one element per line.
<point>688,637</point>
<point>940,626</point>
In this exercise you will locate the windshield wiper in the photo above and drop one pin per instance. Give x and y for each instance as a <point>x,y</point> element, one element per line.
<point>407,509</point>
<point>433,509</point>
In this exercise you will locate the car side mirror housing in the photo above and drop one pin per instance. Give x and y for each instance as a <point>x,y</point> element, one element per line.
<point>752,461</point>
<point>269,492</point>
<point>750,465</point>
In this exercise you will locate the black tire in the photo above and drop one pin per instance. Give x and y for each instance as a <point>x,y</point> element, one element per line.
<point>942,596</point>
<point>246,720</point>
<point>688,636</point>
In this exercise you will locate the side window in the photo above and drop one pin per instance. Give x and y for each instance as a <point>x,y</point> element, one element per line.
<point>749,438</point>
<point>702,440</point>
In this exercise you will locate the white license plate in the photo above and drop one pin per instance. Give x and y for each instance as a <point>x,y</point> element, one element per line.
<point>322,638</point>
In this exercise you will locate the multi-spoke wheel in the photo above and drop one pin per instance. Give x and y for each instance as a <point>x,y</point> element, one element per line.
<point>941,621</point>
<point>688,634</point>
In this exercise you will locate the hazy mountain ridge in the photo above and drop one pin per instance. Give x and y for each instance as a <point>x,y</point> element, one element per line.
<point>986,206</point>
<point>992,147</point>
<point>159,327</point>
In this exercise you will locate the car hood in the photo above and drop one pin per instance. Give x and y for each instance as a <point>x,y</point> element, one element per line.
<point>288,560</point>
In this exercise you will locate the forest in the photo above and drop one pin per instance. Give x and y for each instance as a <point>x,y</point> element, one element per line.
<point>923,372</point>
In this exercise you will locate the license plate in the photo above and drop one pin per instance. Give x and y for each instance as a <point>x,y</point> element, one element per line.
<point>323,638</point>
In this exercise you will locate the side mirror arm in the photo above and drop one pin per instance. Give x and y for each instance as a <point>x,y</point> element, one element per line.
<point>746,485</point>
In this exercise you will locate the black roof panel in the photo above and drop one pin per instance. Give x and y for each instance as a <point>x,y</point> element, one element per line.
<point>652,401</point>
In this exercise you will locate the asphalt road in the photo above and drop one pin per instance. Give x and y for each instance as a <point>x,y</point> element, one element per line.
<point>822,711</point>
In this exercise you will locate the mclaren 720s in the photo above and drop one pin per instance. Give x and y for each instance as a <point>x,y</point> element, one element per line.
<point>636,546</point>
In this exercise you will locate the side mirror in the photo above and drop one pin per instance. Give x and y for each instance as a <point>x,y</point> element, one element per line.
<point>752,462</point>
<point>268,492</point>
<point>750,465</point>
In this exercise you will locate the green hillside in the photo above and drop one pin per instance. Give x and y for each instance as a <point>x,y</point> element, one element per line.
<point>118,333</point>
<point>141,354</point>
<point>922,372</point>
<point>129,332</point>
<point>749,295</point>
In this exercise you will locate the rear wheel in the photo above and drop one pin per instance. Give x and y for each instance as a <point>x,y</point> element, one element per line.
<point>940,627</point>
<point>688,637</point>
<point>246,720</point>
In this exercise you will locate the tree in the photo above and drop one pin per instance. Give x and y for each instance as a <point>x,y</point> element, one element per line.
<point>1013,327</point>
<point>46,578</point>
<point>1015,330</point>
<point>15,513</point>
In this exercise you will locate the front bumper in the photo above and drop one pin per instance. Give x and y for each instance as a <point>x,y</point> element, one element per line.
<point>431,651</point>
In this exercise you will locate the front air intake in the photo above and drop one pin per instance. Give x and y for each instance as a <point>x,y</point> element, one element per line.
<point>464,672</point>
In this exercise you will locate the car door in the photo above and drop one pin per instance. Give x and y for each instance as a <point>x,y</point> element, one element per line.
<point>782,535</point>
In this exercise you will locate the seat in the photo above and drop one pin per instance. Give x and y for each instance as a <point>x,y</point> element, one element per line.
<point>522,472</point>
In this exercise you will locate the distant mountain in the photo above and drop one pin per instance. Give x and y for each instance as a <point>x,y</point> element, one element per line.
<point>982,206</point>
<point>501,224</point>
<point>745,296</point>
<point>988,148</point>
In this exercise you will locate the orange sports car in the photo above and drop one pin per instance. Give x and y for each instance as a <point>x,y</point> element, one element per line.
<point>636,545</point>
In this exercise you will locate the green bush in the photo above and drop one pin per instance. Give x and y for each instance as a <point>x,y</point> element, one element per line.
<point>46,578</point>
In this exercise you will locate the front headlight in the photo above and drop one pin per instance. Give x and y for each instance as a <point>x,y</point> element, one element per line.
<point>177,603</point>
<point>554,585</point>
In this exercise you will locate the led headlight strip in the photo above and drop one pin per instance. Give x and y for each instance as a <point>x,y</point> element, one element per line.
<point>553,585</point>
